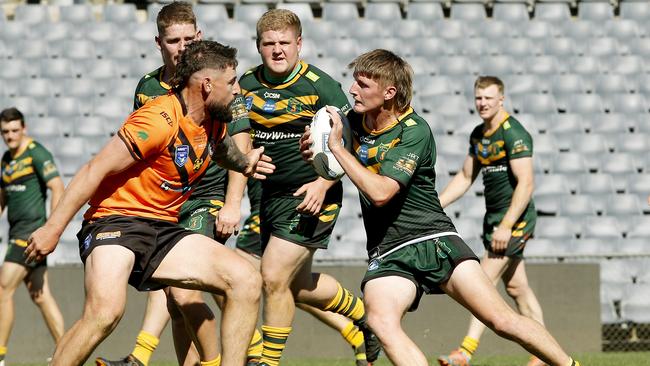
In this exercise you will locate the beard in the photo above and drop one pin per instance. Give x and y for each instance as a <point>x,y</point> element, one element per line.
<point>220,113</point>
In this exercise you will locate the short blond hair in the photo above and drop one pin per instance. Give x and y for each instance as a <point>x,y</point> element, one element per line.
<point>483,82</point>
<point>278,20</point>
<point>387,69</point>
<point>177,12</point>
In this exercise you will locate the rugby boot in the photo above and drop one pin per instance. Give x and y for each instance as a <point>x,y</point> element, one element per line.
<point>126,361</point>
<point>250,361</point>
<point>360,355</point>
<point>534,361</point>
<point>455,358</point>
<point>370,341</point>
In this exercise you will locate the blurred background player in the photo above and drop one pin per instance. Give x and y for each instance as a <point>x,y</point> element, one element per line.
<point>502,149</point>
<point>130,232</point>
<point>28,171</point>
<point>413,246</point>
<point>300,208</point>
<point>206,211</point>
<point>249,245</point>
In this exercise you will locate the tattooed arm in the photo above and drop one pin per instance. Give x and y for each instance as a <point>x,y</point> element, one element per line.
<point>254,164</point>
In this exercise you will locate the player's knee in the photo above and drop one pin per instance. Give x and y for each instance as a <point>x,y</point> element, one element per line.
<point>515,291</point>
<point>181,297</point>
<point>273,283</point>
<point>104,316</point>
<point>38,297</point>
<point>503,324</point>
<point>248,284</point>
<point>383,326</point>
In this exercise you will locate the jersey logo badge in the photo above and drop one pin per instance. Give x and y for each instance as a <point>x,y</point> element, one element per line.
<point>373,265</point>
<point>363,154</point>
<point>294,106</point>
<point>197,164</point>
<point>196,223</point>
<point>269,106</point>
<point>181,154</point>
<point>249,103</point>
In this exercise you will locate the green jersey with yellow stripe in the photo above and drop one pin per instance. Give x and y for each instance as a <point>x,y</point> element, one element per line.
<point>405,152</point>
<point>213,183</point>
<point>24,182</point>
<point>493,152</point>
<point>278,115</point>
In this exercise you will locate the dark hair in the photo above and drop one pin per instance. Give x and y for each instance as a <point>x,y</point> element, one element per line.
<point>12,114</point>
<point>201,55</point>
<point>177,12</point>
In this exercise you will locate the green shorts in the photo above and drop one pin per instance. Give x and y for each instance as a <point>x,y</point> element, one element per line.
<point>16,254</point>
<point>280,219</point>
<point>427,263</point>
<point>249,239</point>
<point>200,215</point>
<point>521,232</point>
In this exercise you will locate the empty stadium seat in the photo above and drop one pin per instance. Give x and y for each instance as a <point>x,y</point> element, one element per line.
<point>384,11</point>
<point>570,163</point>
<point>583,103</point>
<point>638,183</point>
<point>577,205</point>
<point>32,14</point>
<point>560,229</point>
<point>552,12</point>
<point>76,14</point>
<point>635,10</point>
<point>622,204</point>
<point>636,306</point>
<point>627,103</point>
<point>452,29</point>
<point>581,29</point>
<point>596,11</point>
<point>511,12</point>
<point>553,184</point>
<point>623,29</point>
<point>602,227</point>
<point>340,12</point>
<point>249,13</point>
<point>535,103</point>
<point>57,68</point>
<point>120,13</point>
<point>468,11</point>
<point>620,163</point>
<point>424,11</point>
<point>626,65</point>
<point>209,14</point>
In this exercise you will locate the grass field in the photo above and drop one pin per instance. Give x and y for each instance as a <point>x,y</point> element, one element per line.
<point>592,359</point>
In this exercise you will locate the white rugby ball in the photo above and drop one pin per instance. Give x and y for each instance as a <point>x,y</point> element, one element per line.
<point>324,161</point>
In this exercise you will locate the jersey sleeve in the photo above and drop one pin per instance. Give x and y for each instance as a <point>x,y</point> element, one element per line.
<point>329,91</point>
<point>518,142</point>
<point>43,163</point>
<point>147,132</point>
<point>240,121</point>
<point>403,159</point>
<point>138,96</point>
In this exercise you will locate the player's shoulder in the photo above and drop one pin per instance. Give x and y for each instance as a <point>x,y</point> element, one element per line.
<point>250,75</point>
<point>512,126</point>
<point>413,123</point>
<point>165,108</point>
<point>317,76</point>
<point>150,77</point>
<point>36,147</point>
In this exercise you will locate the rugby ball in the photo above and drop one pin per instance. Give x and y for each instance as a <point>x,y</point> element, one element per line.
<point>324,162</point>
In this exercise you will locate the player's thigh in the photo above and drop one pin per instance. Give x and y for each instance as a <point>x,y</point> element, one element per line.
<point>515,275</point>
<point>199,262</point>
<point>253,259</point>
<point>494,266</point>
<point>107,271</point>
<point>471,287</point>
<point>283,261</point>
<point>11,274</point>
<point>388,298</point>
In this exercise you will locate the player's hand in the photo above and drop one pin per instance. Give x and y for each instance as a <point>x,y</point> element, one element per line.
<point>500,238</point>
<point>259,165</point>
<point>227,222</point>
<point>335,139</point>
<point>42,242</point>
<point>314,193</point>
<point>305,145</point>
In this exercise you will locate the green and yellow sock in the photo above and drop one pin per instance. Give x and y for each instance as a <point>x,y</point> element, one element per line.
<point>255,347</point>
<point>3,352</point>
<point>275,339</point>
<point>145,344</point>
<point>354,337</point>
<point>346,304</point>
<point>574,362</point>
<point>215,362</point>
<point>469,346</point>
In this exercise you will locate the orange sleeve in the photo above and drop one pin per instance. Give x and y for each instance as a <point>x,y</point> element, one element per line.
<point>148,131</point>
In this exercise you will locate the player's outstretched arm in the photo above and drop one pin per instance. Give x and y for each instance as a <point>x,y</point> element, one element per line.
<point>461,182</point>
<point>112,159</point>
<point>254,164</point>
<point>229,215</point>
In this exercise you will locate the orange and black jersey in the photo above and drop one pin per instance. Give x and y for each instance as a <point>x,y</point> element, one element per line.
<point>172,153</point>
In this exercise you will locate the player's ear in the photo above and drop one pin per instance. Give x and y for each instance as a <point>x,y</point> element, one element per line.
<point>299,43</point>
<point>390,92</point>
<point>158,41</point>
<point>199,35</point>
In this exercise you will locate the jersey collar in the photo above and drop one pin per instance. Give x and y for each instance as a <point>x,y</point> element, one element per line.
<point>393,124</point>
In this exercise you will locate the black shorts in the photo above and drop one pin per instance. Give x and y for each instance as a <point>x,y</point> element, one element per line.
<point>149,239</point>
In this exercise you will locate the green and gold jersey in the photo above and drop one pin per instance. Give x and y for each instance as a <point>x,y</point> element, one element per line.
<point>279,113</point>
<point>213,183</point>
<point>493,152</point>
<point>24,179</point>
<point>405,152</point>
